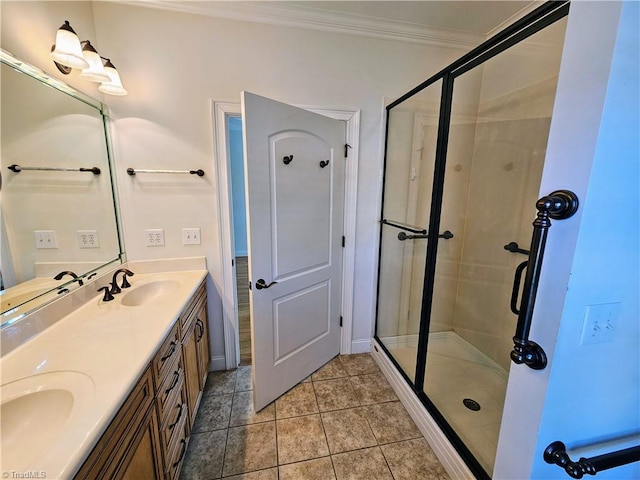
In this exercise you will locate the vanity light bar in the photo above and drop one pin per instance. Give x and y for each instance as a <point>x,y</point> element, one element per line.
<point>17,169</point>
<point>198,172</point>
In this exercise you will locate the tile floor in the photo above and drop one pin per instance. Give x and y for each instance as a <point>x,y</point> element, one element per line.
<point>343,422</point>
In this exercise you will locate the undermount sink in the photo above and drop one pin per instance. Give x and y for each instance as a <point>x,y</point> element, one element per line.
<point>147,293</point>
<point>34,413</point>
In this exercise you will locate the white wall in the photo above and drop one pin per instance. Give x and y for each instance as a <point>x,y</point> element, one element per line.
<point>589,392</point>
<point>173,64</point>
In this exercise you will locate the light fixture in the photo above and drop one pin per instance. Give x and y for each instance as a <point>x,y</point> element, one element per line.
<point>69,52</point>
<point>114,86</point>
<point>95,71</point>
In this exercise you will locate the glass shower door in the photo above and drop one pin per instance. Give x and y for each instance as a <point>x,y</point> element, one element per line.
<point>463,163</point>
<point>410,157</point>
<point>499,123</point>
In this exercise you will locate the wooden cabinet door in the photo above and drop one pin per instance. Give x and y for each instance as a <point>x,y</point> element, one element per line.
<point>202,341</point>
<point>144,461</point>
<point>192,376</point>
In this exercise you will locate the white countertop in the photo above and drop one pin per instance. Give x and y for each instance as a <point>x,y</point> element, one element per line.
<point>109,346</point>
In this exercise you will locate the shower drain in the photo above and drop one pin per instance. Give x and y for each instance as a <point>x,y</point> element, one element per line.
<point>471,404</point>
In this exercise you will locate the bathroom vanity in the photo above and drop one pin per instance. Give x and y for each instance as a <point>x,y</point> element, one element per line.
<point>112,388</point>
<point>148,437</point>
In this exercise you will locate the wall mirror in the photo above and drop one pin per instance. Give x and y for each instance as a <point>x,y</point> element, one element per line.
<point>58,204</point>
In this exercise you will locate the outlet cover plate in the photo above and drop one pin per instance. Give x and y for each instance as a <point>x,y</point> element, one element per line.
<point>599,323</point>
<point>154,237</point>
<point>88,238</point>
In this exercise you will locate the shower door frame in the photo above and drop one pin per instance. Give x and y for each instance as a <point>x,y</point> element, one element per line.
<point>542,17</point>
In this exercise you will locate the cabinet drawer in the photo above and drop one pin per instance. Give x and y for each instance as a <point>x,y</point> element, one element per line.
<point>177,409</point>
<point>177,450</point>
<point>173,382</point>
<point>189,312</point>
<point>167,354</point>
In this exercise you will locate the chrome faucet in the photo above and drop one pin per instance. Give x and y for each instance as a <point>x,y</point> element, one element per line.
<point>115,289</point>
<point>67,272</point>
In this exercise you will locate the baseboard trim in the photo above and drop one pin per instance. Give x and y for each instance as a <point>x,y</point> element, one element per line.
<point>218,363</point>
<point>360,346</point>
<point>446,453</point>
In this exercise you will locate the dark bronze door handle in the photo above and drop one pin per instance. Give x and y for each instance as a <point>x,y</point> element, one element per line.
<point>260,284</point>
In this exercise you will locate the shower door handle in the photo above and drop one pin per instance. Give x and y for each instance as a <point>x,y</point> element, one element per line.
<point>558,205</point>
<point>517,278</point>
<point>403,236</point>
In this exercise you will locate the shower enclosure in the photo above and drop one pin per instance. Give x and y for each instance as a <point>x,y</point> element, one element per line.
<point>464,157</point>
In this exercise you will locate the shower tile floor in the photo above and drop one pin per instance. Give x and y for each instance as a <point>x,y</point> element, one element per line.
<point>457,370</point>
<point>343,422</point>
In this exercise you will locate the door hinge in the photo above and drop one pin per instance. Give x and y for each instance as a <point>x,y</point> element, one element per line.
<point>340,320</point>
<point>346,150</point>
<point>249,285</point>
<point>233,263</point>
<point>343,241</point>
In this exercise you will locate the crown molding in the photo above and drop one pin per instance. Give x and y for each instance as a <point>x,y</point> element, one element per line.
<point>299,16</point>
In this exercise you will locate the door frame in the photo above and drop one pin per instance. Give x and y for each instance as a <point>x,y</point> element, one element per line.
<point>220,110</point>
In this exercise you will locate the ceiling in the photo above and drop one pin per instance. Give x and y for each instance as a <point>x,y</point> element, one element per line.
<point>450,22</point>
<point>477,16</point>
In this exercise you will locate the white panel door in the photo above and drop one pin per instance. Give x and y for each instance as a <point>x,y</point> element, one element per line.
<point>294,162</point>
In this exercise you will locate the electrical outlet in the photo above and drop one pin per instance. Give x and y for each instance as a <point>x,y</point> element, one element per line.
<point>45,238</point>
<point>191,236</point>
<point>599,323</point>
<point>154,237</point>
<point>88,238</point>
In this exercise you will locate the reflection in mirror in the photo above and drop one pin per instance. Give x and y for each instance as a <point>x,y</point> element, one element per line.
<point>57,207</point>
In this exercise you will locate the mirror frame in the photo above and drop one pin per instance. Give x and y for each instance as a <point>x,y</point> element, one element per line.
<point>44,298</point>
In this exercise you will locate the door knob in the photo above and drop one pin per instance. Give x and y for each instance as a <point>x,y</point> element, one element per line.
<point>260,284</point>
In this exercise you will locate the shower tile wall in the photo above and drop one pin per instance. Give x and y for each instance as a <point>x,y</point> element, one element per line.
<point>503,186</point>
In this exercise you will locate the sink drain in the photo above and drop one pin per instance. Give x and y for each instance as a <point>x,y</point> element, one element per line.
<point>471,404</point>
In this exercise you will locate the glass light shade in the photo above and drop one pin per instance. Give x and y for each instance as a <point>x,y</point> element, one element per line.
<point>114,85</point>
<point>67,50</point>
<point>95,71</point>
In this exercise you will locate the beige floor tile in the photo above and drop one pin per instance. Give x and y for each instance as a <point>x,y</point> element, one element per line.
<point>205,456</point>
<point>372,388</point>
<point>244,381</point>
<point>301,438</point>
<point>317,469</point>
<point>413,460</point>
<point>335,394</point>
<point>347,430</point>
<point>300,400</point>
<point>269,474</point>
<point>213,413</point>
<point>242,412</point>
<point>249,448</point>
<point>220,382</point>
<point>332,369</point>
<point>359,364</point>
<point>390,422</point>
<point>366,464</point>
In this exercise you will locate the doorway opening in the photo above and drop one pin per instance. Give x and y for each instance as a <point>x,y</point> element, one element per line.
<point>221,113</point>
<point>236,162</point>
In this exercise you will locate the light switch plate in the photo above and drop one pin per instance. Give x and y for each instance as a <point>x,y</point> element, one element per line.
<point>191,236</point>
<point>45,238</point>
